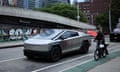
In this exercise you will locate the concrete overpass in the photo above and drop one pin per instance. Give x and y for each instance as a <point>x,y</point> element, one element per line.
<point>21,17</point>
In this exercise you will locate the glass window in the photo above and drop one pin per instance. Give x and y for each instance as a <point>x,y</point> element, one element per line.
<point>69,34</point>
<point>117,30</point>
<point>47,34</point>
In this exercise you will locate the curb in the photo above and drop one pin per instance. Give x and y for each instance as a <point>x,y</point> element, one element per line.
<point>11,46</point>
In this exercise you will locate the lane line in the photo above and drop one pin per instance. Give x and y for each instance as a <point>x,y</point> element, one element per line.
<point>85,61</point>
<point>11,59</point>
<point>76,65</point>
<point>91,54</point>
<point>61,63</point>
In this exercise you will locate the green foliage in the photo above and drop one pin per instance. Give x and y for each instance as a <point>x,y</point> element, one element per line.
<point>103,20</point>
<point>65,10</point>
<point>115,11</point>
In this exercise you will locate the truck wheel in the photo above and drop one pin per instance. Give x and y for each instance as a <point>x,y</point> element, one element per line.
<point>85,47</point>
<point>55,53</point>
<point>30,57</point>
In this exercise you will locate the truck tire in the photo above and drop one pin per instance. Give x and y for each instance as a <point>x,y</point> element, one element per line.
<point>85,47</point>
<point>55,53</point>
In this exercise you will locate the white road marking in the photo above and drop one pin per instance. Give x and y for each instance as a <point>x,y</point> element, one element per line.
<point>86,61</point>
<point>76,65</point>
<point>61,63</point>
<point>83,62</point>
<point>91,54</point>
<point>11,59</point>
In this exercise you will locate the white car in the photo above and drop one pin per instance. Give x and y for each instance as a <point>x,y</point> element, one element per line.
<point>52,43</point>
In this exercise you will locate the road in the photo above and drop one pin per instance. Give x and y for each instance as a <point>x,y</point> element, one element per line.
<point>13,60</point>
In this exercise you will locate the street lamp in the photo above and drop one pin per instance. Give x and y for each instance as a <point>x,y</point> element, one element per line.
<point>78,15</point>
<point>1,2</point>
<point>110,18</point>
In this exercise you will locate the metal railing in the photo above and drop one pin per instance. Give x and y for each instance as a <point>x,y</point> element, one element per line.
<point>4,38</point>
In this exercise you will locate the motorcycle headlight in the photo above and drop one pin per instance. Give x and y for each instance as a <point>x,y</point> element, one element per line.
<point>101,46</point>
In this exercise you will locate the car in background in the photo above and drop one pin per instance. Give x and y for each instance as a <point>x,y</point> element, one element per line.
<point>52,43</point>
<point>115,35</point>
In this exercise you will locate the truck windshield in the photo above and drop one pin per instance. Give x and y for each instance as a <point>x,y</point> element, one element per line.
<point>117,30</point>
<point>47,34</point>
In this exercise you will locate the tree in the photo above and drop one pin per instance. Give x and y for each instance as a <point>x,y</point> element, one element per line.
<point>115,12</point>
<point>102,20</point>
<point>65,10</point>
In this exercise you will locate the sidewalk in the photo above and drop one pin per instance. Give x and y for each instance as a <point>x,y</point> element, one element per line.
<point>11,44</point>
<point>110,66</point>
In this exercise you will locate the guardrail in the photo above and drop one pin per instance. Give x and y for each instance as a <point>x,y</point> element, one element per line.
<point>4,38</point>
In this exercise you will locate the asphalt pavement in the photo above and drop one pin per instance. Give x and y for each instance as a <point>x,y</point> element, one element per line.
<point>109,64</point>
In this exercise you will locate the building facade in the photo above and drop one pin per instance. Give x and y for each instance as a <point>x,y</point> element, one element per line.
<point>30,4</point>
<point>8,2</point>
<point>93,7</point>
<point>86,0</point>
<point>58,1</point>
